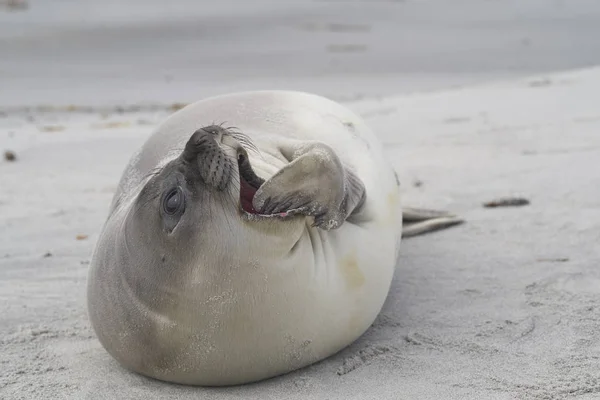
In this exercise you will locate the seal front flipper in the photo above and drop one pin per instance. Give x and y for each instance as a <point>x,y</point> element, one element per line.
<point>418,221</point>
<point>314,183</point>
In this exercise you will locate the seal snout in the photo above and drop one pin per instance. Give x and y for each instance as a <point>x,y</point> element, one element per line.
<point>203,151</point>
<point>201,141</point>
<point>210,149</point>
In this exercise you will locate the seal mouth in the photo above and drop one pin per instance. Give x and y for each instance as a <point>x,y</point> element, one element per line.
<point>249,184</point>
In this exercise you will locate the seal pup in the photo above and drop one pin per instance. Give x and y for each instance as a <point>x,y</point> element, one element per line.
<point>231,255</point>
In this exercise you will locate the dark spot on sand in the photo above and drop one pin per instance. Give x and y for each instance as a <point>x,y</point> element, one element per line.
<point>48,254</point>
<point>417,183</point>
<point>177,106</point>
<point>52,128</point>
<point>456,120</point>
<point>112,125</point>
<point>15,5</point>
<point>558,259</point>
<point>10,155</point>
<point>540,83</point>
<point>507,202</point>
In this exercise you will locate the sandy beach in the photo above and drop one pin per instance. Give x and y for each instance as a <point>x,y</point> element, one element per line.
<point>498,101</point>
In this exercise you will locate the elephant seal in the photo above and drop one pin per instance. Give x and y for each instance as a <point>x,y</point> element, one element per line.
<point>231,255</point>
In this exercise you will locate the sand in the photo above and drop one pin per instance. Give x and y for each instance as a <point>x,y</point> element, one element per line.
<point>465,95</point>
<point>503,307</point>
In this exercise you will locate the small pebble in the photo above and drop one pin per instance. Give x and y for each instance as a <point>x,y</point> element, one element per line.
<point>81,237</point>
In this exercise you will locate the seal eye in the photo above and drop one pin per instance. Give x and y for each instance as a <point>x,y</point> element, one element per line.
<point>173,201</point>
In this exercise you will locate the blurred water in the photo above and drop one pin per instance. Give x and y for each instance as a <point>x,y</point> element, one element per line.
<point>129,51</point>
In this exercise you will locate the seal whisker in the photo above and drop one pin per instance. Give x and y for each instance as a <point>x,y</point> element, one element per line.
<point>245,141</point>
<point>232,199</point>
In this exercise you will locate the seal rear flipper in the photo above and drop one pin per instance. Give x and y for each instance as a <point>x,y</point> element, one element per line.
<point>419,221</point>
<point>314,183</point>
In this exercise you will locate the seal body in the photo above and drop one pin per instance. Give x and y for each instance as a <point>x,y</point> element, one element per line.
<point>226,298</point>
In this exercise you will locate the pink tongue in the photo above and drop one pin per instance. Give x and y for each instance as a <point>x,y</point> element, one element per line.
<point>247,193</point>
